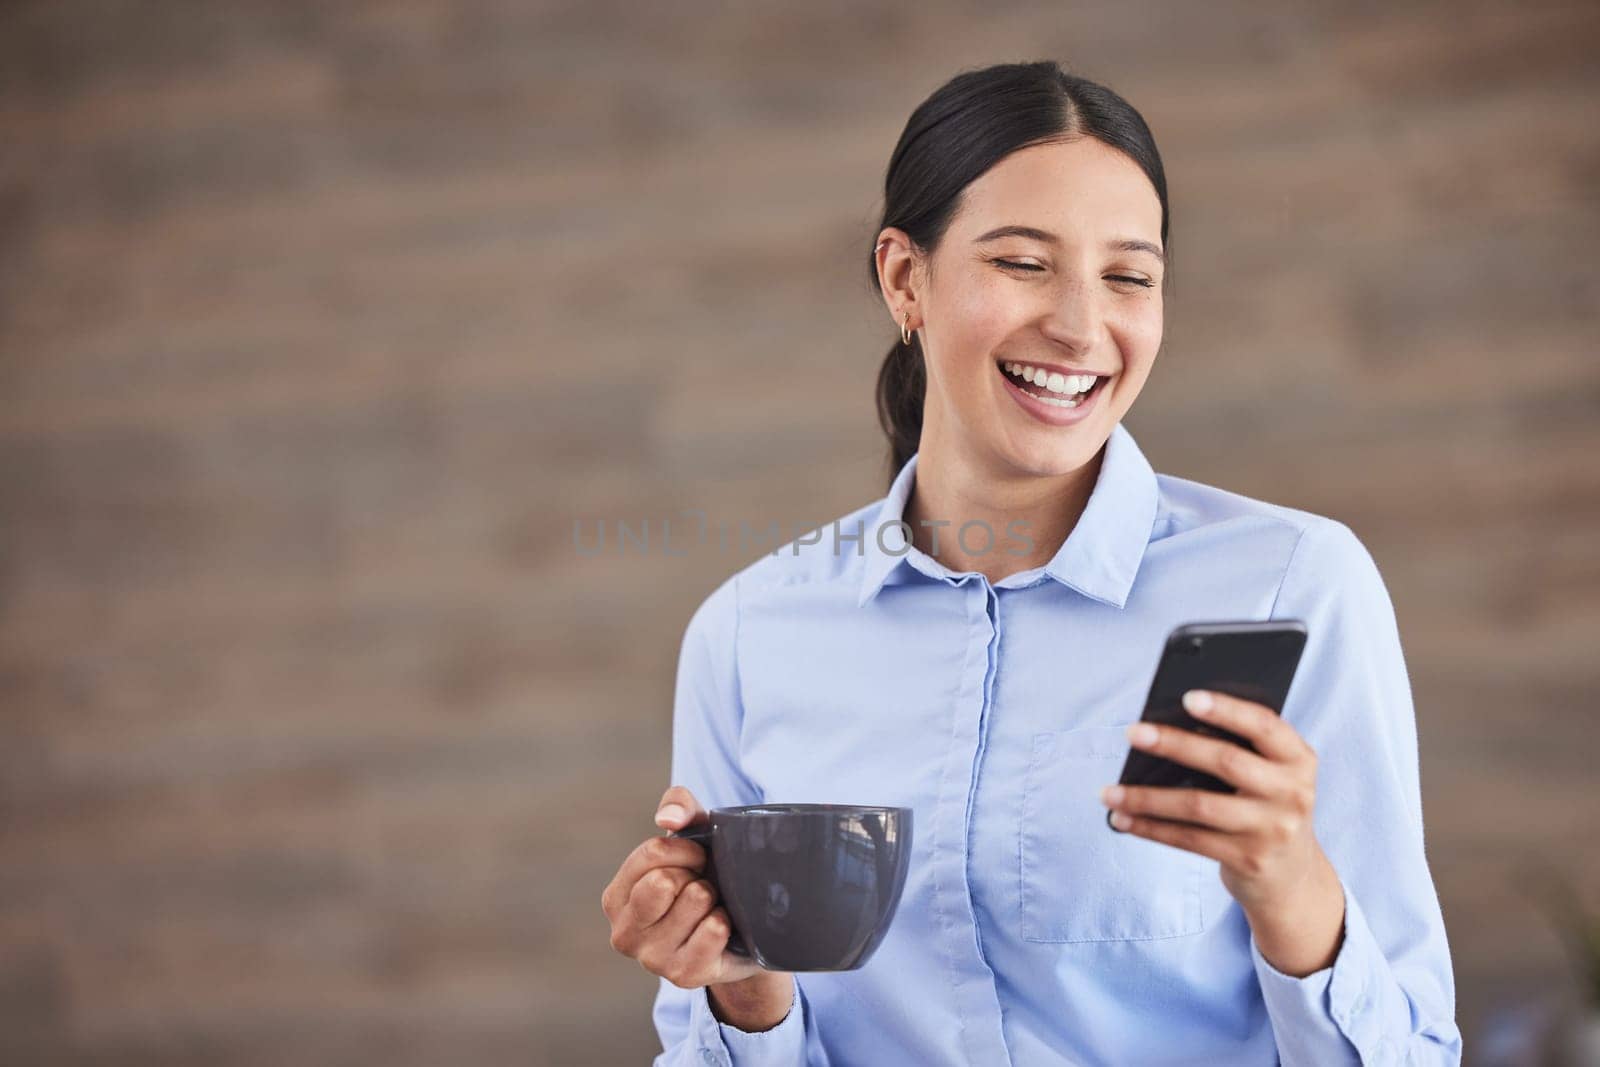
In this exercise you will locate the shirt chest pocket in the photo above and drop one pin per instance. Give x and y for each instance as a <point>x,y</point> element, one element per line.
<point>1081,880</point>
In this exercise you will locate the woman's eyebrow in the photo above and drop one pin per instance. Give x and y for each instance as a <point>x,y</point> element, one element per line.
<point>1121,244</point>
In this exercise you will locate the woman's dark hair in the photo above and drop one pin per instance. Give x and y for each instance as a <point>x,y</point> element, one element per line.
<point>966,126</point>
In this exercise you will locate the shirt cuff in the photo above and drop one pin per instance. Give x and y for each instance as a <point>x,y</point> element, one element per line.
<point>1325,1017</point>
<point>724,1045</point>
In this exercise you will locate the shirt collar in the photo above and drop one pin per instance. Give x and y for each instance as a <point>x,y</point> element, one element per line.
<point>1099,558</point>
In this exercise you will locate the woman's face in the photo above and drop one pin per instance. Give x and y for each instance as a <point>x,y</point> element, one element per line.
<point>1078,295</point>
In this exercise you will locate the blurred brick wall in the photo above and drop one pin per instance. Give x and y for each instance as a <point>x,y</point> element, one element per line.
<point>320,324</point>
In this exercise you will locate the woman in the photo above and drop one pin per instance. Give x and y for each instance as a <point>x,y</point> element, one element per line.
<point>989,673</point>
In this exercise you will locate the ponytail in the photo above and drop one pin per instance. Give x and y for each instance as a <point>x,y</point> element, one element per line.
<point>902,383</point>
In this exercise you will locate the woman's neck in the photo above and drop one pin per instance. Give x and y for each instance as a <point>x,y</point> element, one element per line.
<point>951,490</point>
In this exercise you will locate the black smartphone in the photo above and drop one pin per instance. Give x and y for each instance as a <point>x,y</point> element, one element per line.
<point>1255,661</point>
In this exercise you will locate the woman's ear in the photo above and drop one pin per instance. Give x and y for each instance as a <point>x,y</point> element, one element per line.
<point>899,275</point>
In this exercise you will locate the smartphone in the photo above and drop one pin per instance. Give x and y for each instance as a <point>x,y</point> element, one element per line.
<point>1255,661</point>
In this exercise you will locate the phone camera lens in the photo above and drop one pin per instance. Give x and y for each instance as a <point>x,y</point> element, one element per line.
<point>1193,645</point>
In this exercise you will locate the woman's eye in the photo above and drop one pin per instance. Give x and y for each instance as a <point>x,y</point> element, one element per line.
<point>1035,268</point>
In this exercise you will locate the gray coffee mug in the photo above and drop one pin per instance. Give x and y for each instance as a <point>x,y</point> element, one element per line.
<point>807,887</point>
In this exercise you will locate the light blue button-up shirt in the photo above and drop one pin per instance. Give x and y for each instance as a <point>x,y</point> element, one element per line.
<point>865,672</point>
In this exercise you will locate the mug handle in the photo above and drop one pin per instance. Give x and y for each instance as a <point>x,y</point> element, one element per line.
<point>700,834</point>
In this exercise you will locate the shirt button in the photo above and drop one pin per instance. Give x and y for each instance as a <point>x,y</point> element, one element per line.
<point>711,1057</point>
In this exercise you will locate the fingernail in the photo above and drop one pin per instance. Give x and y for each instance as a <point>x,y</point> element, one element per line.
<point>1111,794</point>
<point>1120,821</point>
<point>671,813</point>
<point>1197,702</point>
<point>1141,733</point>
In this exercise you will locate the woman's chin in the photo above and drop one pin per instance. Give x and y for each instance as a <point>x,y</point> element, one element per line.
<point>1046,458</point>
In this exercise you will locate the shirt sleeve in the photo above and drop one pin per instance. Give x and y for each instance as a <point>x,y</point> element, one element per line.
<point>1389,995</point>
<point>706,718</point>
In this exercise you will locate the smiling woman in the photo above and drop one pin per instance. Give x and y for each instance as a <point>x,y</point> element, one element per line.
<point>1023,257</point>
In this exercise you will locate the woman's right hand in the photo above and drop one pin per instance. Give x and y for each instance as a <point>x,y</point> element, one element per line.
<point>666,915</point>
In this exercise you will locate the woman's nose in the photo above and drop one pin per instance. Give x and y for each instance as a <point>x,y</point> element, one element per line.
<point>1073,321</point>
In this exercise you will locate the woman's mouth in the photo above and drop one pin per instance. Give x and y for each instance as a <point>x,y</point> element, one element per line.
<point>1047,392</point>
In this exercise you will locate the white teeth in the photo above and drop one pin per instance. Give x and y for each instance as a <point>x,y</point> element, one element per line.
<point>1055,382</point>
<point>1054,402</point>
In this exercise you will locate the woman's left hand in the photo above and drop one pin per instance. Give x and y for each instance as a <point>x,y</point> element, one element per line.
<point>1261,835</point>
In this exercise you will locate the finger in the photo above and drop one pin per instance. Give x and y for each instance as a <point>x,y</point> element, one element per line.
<point>1213,843</point>
<point>1264,728</point>
<point>693,904</point>
<point>1203,807</point>
<point>654,894</point>
<point>1233,763</point>
<point>678,808</point>
<point>700,957</point>
<point>665,938</point>
<point>652,853</point>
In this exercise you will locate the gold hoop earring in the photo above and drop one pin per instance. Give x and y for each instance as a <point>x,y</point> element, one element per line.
<point>905,332</point>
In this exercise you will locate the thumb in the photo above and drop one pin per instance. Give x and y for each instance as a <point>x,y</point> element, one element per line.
<point>678,808</point>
